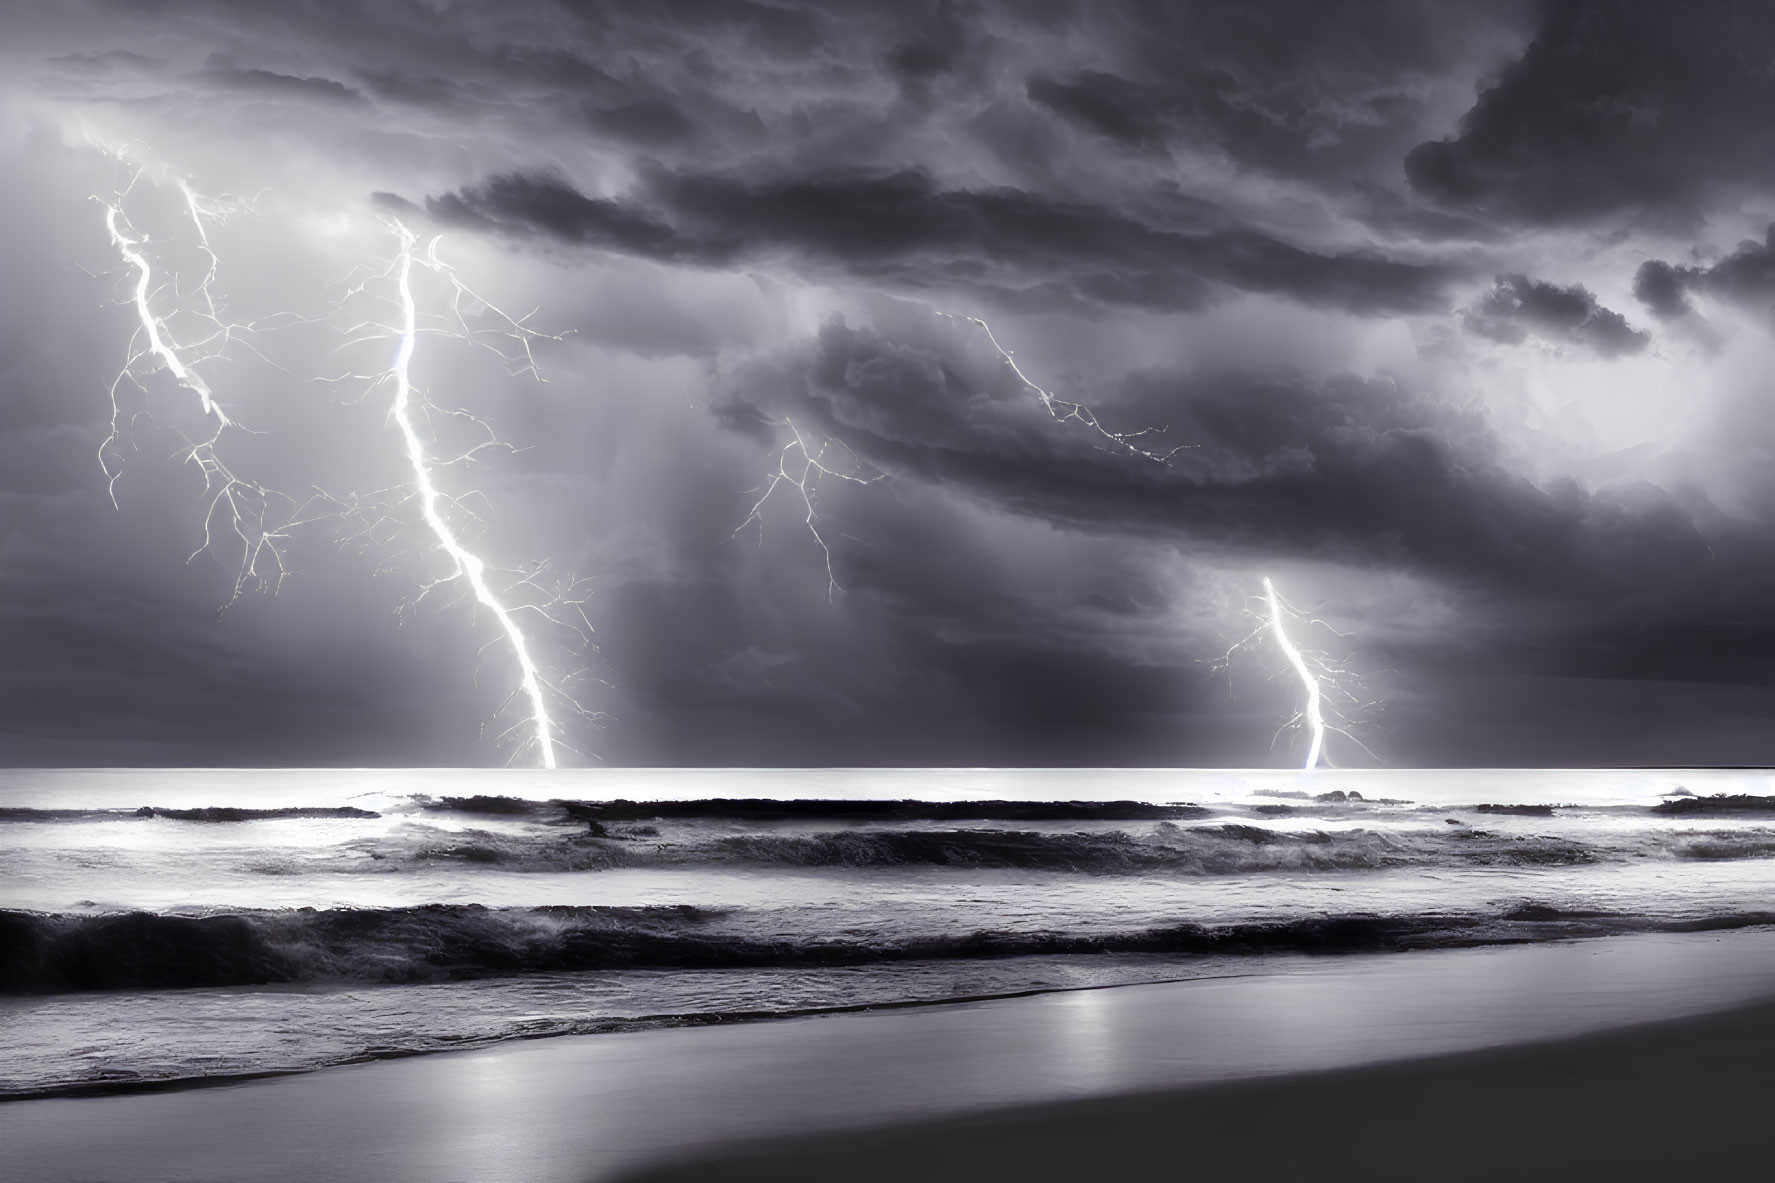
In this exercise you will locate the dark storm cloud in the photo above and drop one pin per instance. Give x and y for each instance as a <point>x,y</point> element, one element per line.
<point>1285,86</point>
<point>829,170</point>
<point>1290,87</point>
<point>534,204</point>
<point>1349,470</point>
<point>224,75</point>
<point>1631,107</point>
<point>1626,582</point>
<point>907,228</point>
<point>1199,217</point>
<point>1745,277</point>
<point>1660,287</point>
<point>1133,115</point>
<point>1518,306</point>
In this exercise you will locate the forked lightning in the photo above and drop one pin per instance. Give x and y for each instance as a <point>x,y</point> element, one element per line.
<point>262,519</point>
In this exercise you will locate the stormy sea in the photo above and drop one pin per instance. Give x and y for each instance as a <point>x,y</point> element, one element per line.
<point>166,928</point>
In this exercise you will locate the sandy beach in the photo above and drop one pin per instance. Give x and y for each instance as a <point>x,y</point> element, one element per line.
<point>1681,1100</point>
<point>599,1107</point>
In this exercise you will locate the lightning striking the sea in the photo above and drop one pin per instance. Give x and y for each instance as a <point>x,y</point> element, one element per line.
<point>1313,711</point>
<point>261,520</point>
<point>1334,695</point>
<point>467,565</point>
<point>522,600</point>
<point>244,509</point>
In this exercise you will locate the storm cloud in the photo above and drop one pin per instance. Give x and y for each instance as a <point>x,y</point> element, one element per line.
<point>1638,109</point>
<point>1416,302</point>
<point>1746,277</point>
<point>905,230</point>
<point>1518,306</point>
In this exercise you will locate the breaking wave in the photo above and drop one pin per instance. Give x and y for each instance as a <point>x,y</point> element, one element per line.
<point>47,953</point>
<point>1227,849</point>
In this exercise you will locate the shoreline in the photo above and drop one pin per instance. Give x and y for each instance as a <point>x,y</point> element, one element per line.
<point>632,1026</point>
<point>576,1109</point>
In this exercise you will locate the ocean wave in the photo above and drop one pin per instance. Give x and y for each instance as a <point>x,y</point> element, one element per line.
<point>485,804</point>
<point>13,813</point>
<point>231,813</point>
<point>1727,846</point>
<point>58,952</point>
<point>209,813</point>
<point>763,809</point>
<point>1227,849</point>
<point>560,812</point>
<point>48,953</point>
<point>1212,850</point>
<point>1486,849</point>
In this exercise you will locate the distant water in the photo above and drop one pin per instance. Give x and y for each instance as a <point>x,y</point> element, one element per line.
<point>163,926</point>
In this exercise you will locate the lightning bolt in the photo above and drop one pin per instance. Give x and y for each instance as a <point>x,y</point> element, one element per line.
<point>468,565</point>
<point>1326,681</point>
<point>261,519</point>
<point>533,594</point>
<point>243,508</point>
<point>152,326</point>
<point>1313,711</point>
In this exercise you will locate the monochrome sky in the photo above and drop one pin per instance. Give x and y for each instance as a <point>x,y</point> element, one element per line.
<point>1458,317</point>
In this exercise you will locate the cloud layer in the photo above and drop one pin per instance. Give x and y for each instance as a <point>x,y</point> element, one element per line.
<point>1455,315</point>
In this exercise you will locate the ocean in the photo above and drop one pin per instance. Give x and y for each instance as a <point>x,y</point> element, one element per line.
<point>161,928</point>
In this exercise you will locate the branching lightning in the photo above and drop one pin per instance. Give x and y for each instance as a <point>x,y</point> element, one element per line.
<point>800,465</point>
<point>262,520</point>
<point>1327,682</point>
<point>468,565</point>
<point>1313,712</point>
<point>255,516</point>
<point>1065,411</point>
<point>535,593</point>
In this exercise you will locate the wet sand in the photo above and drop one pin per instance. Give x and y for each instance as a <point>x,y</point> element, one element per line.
<point>1681,1100</point>
<point>598,1107</point>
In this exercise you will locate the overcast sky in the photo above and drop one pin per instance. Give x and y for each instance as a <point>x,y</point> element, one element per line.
<point>1459,317</point>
